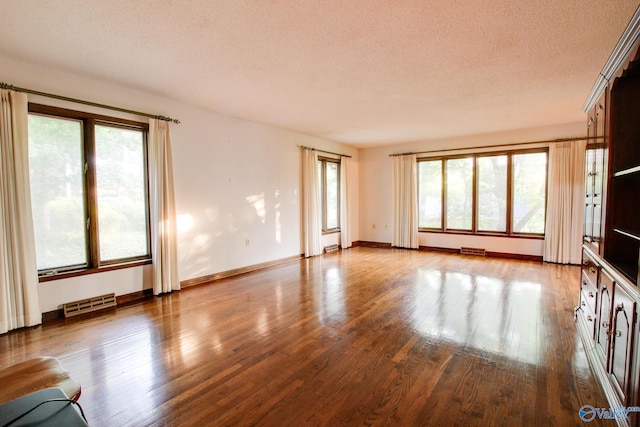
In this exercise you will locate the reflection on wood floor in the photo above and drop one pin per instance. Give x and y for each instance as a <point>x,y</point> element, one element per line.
<point>366,336</point>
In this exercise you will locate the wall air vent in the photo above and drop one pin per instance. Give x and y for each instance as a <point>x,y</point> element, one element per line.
<point>331,248</point>
<point>88,305</point>
<point>472,251</point>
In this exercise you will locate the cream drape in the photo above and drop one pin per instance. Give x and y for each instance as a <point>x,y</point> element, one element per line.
<point>19,301</point>
<point>345,208</point>
<point>405,202</point>
<point>311,205</point>
<point>163,211</point>
<point>565,206</point>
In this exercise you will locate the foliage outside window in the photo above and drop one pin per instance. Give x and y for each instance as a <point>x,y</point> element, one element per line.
<point>88,177</point>
<point>329,185</point>
<point>494,193</point>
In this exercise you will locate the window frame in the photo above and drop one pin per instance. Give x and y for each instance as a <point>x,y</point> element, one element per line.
<point>323,193</point>
<point>475,193</point>
<point>92,248</point>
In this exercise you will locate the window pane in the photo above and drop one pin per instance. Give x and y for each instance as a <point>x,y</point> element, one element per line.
<point>57,191</point>
<point>492,193</point>
<point>459,193</point>
<point>332,195</point>
<point>430,194</point>
<point>529,192</point>
<point>320,178</point>
<point>121,185</point>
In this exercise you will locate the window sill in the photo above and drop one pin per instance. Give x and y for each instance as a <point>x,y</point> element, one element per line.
<point>337,230</point>
<point>484,234</point>
<point>87,271</point>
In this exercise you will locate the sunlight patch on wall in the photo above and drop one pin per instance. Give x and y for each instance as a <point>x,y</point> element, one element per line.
<point>184,223</point>
<point>278,224</point>
<point>257,201</point>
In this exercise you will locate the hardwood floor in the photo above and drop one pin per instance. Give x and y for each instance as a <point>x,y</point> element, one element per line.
<point>366,336</point>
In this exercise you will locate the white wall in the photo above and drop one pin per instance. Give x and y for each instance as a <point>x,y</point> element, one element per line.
<point>237,183</point>
<point>376,214</point>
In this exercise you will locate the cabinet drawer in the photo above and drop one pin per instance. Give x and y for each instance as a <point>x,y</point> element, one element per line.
<point>590,269</point>
<point>587,315</point>
<point>588,298</point>
<point>586,284</point>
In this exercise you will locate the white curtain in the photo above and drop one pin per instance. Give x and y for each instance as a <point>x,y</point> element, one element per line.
<point>405,202</point>
<point>345,225</point>
<point>565,206</point>
<point>311,214</point>
<point>19,302</point>
<point>163,211</point>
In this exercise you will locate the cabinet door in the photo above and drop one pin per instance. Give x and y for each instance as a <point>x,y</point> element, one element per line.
<point>623,317</point>
<point>598,188</point>
<point>604,320</point>
<point>588,199</point>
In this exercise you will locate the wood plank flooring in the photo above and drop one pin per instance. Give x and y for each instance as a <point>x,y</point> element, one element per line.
<point>366,336</point>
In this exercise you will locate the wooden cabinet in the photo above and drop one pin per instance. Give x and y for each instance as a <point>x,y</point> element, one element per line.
<point>607,311</point>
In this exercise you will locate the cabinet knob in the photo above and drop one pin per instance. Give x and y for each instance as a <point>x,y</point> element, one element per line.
<point>591,295</point>
<point>620,307</point>
<point>618,333</point>
<point>589,318</point>
<point>584,283</point>
<point>584,304</point>
<point>592,270</point>
<point>605,324</point>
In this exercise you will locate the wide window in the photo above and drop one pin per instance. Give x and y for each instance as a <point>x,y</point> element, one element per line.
<point>329,183</point>
<point>88,177</point>
<point>488,193</point>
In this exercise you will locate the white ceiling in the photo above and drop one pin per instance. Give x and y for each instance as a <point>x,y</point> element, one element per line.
<point>362,72</point>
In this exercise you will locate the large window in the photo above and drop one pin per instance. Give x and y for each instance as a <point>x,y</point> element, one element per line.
<point>495,193</point>
<point>88,177</point>
<point>329,183</point>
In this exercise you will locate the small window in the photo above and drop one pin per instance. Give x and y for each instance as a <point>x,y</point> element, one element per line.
<point>329,183</point>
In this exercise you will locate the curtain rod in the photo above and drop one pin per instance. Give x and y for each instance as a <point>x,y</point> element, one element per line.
<point>581,138</point>
<point>323,151</point>
<point>4,85</point>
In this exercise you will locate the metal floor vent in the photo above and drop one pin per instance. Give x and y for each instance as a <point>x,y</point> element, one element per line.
<point>330,248</point>
<point>472,251</point>
<point>88,305</point>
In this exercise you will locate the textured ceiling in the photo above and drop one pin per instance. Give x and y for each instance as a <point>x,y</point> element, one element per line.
<point>363,72</point>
